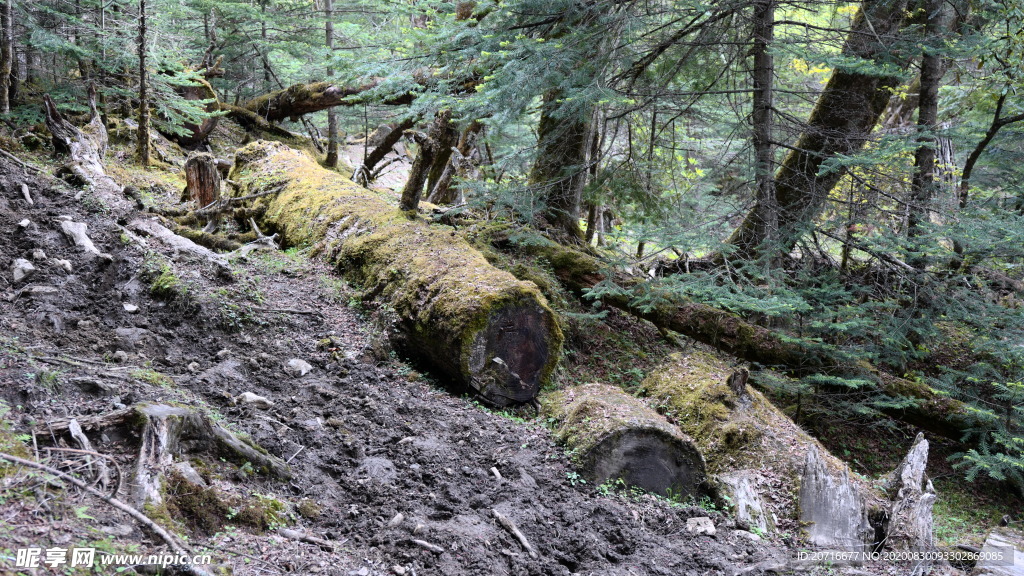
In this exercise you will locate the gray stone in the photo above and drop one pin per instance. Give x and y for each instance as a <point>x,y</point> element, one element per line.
<point>297,367</point>
<point>130,308</point>
<point>38,254</point>
<point>702,525</point>
<point>832,507</point>
<point>747,535</point>
<point>22,269</point>
<point>120,356</point>
<point>24,224</point>
<point>76,233</point>
<point>64,264</point>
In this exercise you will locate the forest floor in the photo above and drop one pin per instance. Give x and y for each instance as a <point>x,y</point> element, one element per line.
<point>384,456</point>
<point>366,435</point>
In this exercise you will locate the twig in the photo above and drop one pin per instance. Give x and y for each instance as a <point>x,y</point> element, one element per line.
<point>511,527</point>
<point>288,311</point>
<point>139,517</point>
<point>303,537</point>
<point>288,461</point>
<point>428,546</point>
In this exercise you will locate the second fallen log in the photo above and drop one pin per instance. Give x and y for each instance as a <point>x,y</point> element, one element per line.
<point>489,331</point>
<point>615,436</point>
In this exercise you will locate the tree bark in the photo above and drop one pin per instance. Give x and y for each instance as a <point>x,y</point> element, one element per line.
<point>365,172</point>
<point>616,436</point>
<point>442,191</point>
<point>143,132</point>
<point>429,146</point>
<point>493,334</point>
<point>332,119</point>
<point>761,118</point>
<point>923,183</point>
<point>6,54</point>
<point>202,179</point>
<point>845,113</point>
<point>560,170</point>
<point>580,272</point>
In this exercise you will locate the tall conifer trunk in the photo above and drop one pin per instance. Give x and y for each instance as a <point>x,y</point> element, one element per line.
<point>761,119</point>
<point>6,54</point>
<point>143,133</point>
<point>332,118</point>
<point>841,122</point>
<point>560,169</point>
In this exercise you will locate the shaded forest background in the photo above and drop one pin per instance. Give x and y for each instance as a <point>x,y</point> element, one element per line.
<point>842,179</point>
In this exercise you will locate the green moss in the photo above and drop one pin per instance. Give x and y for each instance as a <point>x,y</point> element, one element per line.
<point>207,510</point>
<point>153,377</point>
<point>309,509</point>
<point>444,290</point>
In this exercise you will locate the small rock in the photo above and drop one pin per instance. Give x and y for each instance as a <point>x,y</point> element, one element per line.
<point>254,400</point>
<point>335,422</point>
<point>24,224</point>
<point>298,368</point>
<point>419,529</point>
<point>398,570</point>
<point>313,424</point>
<point>22,269</point>
<point>120,356</point>
<point>193,367</point>
<point>700,525</point>
<point>130,308</point>
<point>748,535</point>
<point>85,324</point>
<point>42,291</point>
<point>117,530</point>
<point>38,254</point>
<point>398,519</point>
<point>222,354</point>
<point>65,264</point>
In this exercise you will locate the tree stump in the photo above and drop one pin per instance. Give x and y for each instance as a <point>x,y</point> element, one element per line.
<point>202,179</point>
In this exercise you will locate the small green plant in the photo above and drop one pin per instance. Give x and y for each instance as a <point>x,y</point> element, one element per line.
<point>574,478</point>
<point>153,377</point>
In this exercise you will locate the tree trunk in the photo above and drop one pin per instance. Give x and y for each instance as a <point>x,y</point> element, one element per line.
<point>560,170</point>
<point>365,172</point>
<point>846,112</point>
<point>429,146</point>
<point>580,272</point>
<point>761,118</point>
<point>6,54</point>
<point>332,119</point>
<point>143,133</point>
<point>923,183</point>
<point>479,325</point>
<point>202,179</point>
<point>618,437</point>
<point>442,192</point>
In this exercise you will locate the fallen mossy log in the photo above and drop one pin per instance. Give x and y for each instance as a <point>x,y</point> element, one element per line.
<point>579,272</point>
<point>615,436</point>
<point>476,323</point>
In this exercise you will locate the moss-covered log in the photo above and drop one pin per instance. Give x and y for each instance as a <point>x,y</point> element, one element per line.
<point>300,99</point>
<point>579,272</point>
<point>478,324</point>
<point>616,436</point>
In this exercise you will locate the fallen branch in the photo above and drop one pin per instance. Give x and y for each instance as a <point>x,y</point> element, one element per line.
<point>428,546</point>
<point>178,548</point>
<point>19,162</point>
<point>511,527</point>
<point>303,537</point>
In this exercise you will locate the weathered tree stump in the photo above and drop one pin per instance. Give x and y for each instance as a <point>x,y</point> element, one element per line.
<point>615,436</point>
<point>202,179</point>
<point>165,432</point>
<point>477,324</point>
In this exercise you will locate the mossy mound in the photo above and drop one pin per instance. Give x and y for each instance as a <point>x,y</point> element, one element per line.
<point>478,324</point>
<point>615,436</point>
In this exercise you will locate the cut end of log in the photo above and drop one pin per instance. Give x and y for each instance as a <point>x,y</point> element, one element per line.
<point>510,355</point>
<point>615,436</point>
<point>650,459</point>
